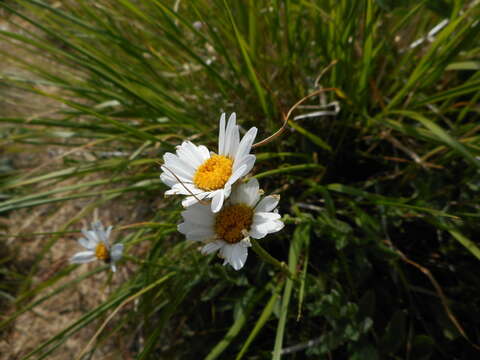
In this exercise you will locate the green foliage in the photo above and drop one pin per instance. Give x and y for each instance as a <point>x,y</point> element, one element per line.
<point>394,175</point>
<point>344,322</point>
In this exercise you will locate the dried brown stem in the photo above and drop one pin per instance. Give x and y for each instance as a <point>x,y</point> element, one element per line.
<point>287,117</point>
<point>439,292</point>
<point>201,201</point>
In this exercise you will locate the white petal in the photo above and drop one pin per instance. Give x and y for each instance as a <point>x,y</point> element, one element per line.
<point>227,189</point>
<point>116,252</point>
<point>200,235</point>
<point>217,201</point>
<point>250,192</point>
<point>99,230</point>
<point>168,179</point>
<point>191,200</point>
<point>212,247</point>
<point>246,144</point>
<point>174,173</point>
<point>184,189</point>
<point>265,216</point>
<point>268,203</point>
<point>82,257</point>
<point>228,134</point>
<point>189,227</point>
<point>246,242</point>
<point>203,151</point>
<point>226,145</point>
<point>184,228</point>
<point>248,161</point>
<point>189,153</point>
<point>187,158</point>
<point>184,163</point>
<point>91,236</point>
<point>239,256</point>
<point>226,253</point>
<point>198,223</point>
<point>265,226</point>
<point>221,135</point>
<point>246,193</point>
<point>235,255</point>
<point>232,118</point>
<point>236,175</point>
<point>170,159</point>
<point>109,230</point>
<point>198,214</point>
<point>97,226</point>
<point>202,231</point>
<point>113,267</point>
<point>256,233</point>
<point>177,170</point>
<point>234,142</point>
<point>86,243</point>
<point>198,152</point>
<point>171,192</point>
<point>167,157</point>
<point>279,225</point>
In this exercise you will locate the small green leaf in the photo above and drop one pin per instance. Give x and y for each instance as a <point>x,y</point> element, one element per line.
<point>395,333</point>
<point>422,347</point>
<point>365,353</point>
<point>464,65</point>
<point>367,304</point>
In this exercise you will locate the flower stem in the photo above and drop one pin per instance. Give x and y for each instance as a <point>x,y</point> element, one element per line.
<point>270,259</point>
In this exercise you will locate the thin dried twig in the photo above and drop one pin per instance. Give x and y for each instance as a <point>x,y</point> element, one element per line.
<point>264,141</point>
<point>201,201</point>
<point>439,292</point>
<point>387,136</point>
<point>302,346</point>
<point>287,117</point>
<point>324,71</point>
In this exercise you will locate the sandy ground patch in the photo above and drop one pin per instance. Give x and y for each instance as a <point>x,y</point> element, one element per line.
<point>38,325</point>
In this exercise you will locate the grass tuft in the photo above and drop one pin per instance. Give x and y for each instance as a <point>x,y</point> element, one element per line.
<point>378,179</point>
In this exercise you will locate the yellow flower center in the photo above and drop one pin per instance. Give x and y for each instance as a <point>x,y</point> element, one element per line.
<point>231,220</point>
<point>101,252</point>
<point>213,173</point>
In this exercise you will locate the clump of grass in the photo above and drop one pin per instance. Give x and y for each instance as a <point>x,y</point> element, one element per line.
<point>380,196</point>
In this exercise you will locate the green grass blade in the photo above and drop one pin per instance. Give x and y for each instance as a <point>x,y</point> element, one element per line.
<point>441,135</point>
<point>262,320</point>
<point>300,236</point>
<point>249,302</point>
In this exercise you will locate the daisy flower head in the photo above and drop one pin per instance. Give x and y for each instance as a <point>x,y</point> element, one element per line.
<point>228,231</point>
<point>199,174</point>
<point>98,248</point>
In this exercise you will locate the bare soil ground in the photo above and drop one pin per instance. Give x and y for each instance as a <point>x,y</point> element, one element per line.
<point>34,327</point>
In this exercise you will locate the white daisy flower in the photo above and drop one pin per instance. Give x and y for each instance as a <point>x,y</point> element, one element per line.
<point>96,243</point>
<point>243,216</point>
<point>195,170</point>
